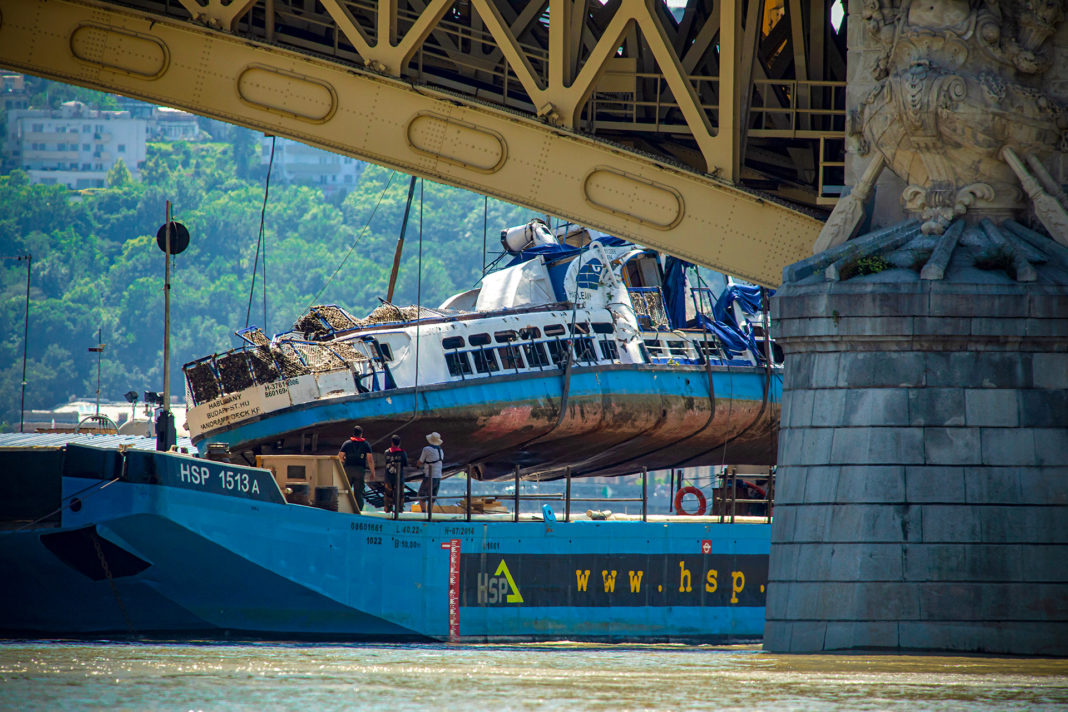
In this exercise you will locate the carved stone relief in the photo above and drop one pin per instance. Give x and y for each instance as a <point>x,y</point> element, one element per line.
<point>957,82</point>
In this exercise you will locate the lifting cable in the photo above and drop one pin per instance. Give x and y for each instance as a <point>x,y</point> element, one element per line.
<point>708,421</point>
<point>261,243</point>
<point>565,386</point>
<point>355,242</point>
<point>418,313</point>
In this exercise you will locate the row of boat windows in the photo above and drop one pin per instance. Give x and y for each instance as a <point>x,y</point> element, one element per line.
<point>528,355</point>
<point>526,334</point>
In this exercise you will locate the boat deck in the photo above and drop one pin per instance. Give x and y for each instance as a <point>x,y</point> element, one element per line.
<point>576,517</point>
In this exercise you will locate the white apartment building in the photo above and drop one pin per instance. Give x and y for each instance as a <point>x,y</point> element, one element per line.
<point>75,145</point>
<point>297,163</point>
<point>166,124</point>
<point>13,92</point>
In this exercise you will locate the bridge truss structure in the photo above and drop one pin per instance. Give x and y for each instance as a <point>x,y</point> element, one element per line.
<point>714,132</point>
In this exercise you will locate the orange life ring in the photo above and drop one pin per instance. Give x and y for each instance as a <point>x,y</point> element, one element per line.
<point>700,501</point>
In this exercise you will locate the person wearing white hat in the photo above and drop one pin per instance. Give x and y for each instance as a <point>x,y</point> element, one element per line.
<point>431,458</point>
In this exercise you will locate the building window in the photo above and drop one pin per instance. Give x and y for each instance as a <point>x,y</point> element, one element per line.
<point>86,146</point>
<point>38,128</point>
<point>86,128</point>
<point>122,148</point>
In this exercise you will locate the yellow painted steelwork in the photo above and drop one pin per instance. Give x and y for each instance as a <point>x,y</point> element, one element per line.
<point>611,124</point>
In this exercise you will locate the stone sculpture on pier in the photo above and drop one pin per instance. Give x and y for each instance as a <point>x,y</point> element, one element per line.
<point>923,470</point>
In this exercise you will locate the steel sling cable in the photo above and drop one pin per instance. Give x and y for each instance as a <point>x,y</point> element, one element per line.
<point>261,243</point>
<point>356,241</point>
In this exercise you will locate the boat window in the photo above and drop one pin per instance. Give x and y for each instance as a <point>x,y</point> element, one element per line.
<point>557,351</point>
<point>387,352</point>
<point>457,363</point>
<point>452,342</point>
<point>609,350</point>
<point>584,350</point>
<point>580,327</point>
<point>296,472</point>
<point>479,339</point>
<point>485,361</point>
<point>535,354</point>
<point>677,347</point>
<point>530,332</point>
<point>510,357</point>
<point>554,330</point>
<point>600,327</point>
<point>503,337</point>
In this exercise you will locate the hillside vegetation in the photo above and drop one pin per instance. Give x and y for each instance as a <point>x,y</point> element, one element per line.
<point>96,264</point>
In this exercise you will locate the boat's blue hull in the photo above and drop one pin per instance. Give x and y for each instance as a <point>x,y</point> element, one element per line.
<point>616,420</point>
<point>157,553</point>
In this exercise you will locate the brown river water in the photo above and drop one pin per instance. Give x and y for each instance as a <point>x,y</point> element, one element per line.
<point>552,676</point>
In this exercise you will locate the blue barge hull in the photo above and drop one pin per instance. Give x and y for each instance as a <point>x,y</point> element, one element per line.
<point>152,544</point>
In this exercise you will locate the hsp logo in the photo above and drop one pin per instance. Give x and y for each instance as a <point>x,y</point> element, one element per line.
<point>498,588</point>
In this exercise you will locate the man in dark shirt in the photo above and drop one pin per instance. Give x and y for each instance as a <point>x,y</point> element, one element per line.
<point>356,456</point>
<point>396,461</point>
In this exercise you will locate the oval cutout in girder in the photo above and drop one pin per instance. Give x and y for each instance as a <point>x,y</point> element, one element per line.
<point>119,50</point>
<point>457,142</point>
<point>287,93</point>
<point>653,204</point>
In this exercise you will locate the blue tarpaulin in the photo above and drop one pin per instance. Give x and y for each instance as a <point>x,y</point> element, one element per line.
<point>675,291</point>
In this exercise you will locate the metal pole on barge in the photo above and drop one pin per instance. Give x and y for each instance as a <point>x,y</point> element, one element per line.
<point>165,423</point>
<point>468,478</point>
<point>172,238</point>
<point>645,493</point>
<point>517,493</point>
<point>25,341</point>
<point>567,494</point>
<point>167,315</point>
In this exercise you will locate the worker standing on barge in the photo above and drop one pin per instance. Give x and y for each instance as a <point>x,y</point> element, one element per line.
<point>430,459</point>
<point>396,461</point>
<point>357,459</point>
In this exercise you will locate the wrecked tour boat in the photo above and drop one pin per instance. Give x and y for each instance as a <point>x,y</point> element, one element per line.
<point>583,352</point>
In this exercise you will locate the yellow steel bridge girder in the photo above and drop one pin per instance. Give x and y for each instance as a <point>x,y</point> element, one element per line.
<point>414,129</point>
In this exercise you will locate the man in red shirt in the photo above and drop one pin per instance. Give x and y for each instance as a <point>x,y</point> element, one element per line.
<point>356,456</point>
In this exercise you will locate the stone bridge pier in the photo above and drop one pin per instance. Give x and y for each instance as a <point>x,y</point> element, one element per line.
<point>922,498</point>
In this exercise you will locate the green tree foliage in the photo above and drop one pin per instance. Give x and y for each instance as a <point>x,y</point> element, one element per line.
<point>96,263</point>
<point>118,175</point>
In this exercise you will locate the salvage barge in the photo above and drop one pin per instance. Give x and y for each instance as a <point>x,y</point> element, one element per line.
<point>115,540</point>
